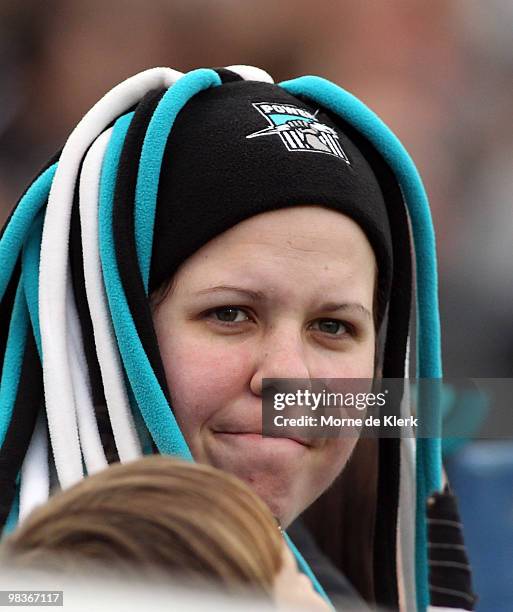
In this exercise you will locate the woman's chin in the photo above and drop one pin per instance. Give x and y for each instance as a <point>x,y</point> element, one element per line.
<point>288,475</point>
<point>276,470</point>
<point>281,491</point>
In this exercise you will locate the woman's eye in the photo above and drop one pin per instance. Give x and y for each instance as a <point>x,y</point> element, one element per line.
<point>333,327</point>
<point>229,314</point>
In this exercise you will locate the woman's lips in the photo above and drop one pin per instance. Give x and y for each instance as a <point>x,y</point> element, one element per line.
<point>253,438</point>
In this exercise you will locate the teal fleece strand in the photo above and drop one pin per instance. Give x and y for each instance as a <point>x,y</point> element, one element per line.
<point>152,153</point>
<point>21,221</point>
<point>149,396</point>
<point>429,362</point>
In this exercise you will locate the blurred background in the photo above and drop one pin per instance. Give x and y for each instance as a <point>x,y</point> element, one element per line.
<point>438,72</point>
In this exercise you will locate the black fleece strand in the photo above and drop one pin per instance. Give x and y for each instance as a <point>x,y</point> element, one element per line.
<point>86,326</point>
<point>21,427</point>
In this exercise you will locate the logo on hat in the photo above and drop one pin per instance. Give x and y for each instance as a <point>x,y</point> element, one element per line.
<point>298,129</point>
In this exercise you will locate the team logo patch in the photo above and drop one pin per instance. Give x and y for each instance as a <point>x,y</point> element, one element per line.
<point>298,129</point>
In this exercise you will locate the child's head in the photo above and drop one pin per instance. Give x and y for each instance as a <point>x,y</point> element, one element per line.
<point>159,518</point>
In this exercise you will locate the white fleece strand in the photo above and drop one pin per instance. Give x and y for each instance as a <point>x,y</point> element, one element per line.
<point>35,473</point>
<point>90,441</point>
<point>54,267</point>
<point>118,405</point>
<point>251,73</point>
<point>407,501</point>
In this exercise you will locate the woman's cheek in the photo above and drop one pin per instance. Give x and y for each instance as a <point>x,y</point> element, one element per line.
<point>204,378</point>
<point>357,364</point>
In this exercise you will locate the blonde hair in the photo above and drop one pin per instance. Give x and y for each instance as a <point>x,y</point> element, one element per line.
<point>156,514</point>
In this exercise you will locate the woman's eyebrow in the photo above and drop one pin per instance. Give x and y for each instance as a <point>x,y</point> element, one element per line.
<point>347,307</point>
<point>260,296</point>
<point>254,295</point>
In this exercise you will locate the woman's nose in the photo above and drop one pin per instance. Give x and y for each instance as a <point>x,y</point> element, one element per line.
<point>281,354</point>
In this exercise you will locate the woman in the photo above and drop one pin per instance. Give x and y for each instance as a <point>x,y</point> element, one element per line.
<point>158,519</point>
<point>226,231</point>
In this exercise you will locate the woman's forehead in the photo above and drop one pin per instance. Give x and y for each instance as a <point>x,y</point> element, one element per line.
<point>306,251</point>
<point>315,231</point>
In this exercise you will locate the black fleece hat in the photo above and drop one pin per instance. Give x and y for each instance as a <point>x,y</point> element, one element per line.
<point>248,147</point>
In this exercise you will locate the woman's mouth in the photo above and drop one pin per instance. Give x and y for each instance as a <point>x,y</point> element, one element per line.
<point>256,439</point>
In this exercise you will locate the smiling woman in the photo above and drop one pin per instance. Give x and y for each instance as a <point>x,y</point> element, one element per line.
<point>200,233</point>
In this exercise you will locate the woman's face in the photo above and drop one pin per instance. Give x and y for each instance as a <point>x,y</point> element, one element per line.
<point>284,294</point>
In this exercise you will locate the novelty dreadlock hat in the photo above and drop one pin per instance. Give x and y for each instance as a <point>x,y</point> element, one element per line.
<point>163,163</point>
